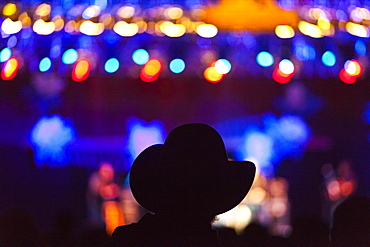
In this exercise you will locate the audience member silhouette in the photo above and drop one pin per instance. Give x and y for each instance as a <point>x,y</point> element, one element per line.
<point>185,182</point>
<point>351,222</point>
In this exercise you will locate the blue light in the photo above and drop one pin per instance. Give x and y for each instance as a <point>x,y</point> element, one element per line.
<point>45,64</point>
<point>5,54</point>
<point>140,56</point>
<point>177,65</point>
<point>360,47</point>
<point>142,135</point>
<point>70,56</point>
<point>111,65</point>
<point>265,59</point>
<point>12,41</point>
<point>49,137</point>
<point>328,59</point>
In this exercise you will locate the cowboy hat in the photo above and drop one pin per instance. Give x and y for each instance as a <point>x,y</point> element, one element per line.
<point>190,174</point>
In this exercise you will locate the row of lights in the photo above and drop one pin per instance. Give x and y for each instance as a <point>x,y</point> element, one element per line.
<point>152,67</point>
<point>170,21</point>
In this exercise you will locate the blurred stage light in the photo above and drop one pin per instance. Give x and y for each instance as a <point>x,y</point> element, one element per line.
<point>177,65</point>
<point>10,68</point>
<point>91,12</point>
<point>12,41</point>
<point>126,12</point>
<point>142,135</point>
<point>45,64</point>
<point>5,54</point>
<point>310,29</point>
<point>174,30</point>
<point>284,31</point>
<point>151,70</point>
<point>126,29</point>
<point>11,27</point>
<point>70,56</point>
<point>9,9</point>
<point>173,13</point>
<point>91,28</point>
<point>346,78</point>
<point>328,59</point>
<point>42,27</point>
<point>211,75</point>
<point>265,59</point>
<point>140,56</point>
<point>222,66</point>
<point>49,136</point>
<point>111,65</point>
<point>81,70</point>
<point>286,67</point>
<point>360,47</point>
<point>281,77</point>
<point>357,30</point>
<point>207,30</point>
<point>353,68</point>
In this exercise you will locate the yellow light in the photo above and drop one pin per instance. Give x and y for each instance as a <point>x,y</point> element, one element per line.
<point>9,9</point>
<point>125,29</point>
<point>11,27</point>
<point>126,12</point>
<point>174,30</point>
<point>91,28</point>
<point>43,28</point>
<point>316,13</point>
<point>59,23</point>
<point>357,29</point>
<point>323,23</point>
<point>284,31</point>
<point>70,26</point>
<point>43,10</point>
<point>207,30</point>
<point>211,75</point>
<point>310,29</point>
<point>174,13</point>
<point>91,12</point>
<point>25,19</point>
<point>141,24</point>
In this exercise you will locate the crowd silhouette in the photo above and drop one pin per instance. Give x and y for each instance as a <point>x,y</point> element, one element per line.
<point>184,183</point>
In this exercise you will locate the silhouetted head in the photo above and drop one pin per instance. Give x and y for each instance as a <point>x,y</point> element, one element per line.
<point>190,174</point>
<point>351,222</point>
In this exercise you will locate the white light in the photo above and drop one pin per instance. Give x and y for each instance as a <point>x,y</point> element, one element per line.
<point>286,66</point>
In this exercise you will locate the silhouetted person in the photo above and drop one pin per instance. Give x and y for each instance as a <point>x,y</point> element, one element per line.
<point>185,183</point>
<point>351,222</point>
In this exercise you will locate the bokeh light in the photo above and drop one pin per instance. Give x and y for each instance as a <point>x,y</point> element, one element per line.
<point>5,54</point>
<point>45,64</point>
<point>70,56</point>
<point>360,47</point>
<point>11,27</point>
<point>111,65</point>
<point>286,66</point>
<point>151,70</point>
<point>177,65</point>
<point>284,31</point>
<point>265,59</point>
<point>10,68</point>
<point>140,56</point>
<point>328,59</point>
<point>222,66</point>
<point>346,78</point>
<point>207,30</point>
<point>353,68</point>
<point>81,70</point>
<point>49,137</point>
<point>211,75</point>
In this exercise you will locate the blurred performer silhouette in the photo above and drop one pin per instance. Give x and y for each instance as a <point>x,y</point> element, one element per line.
<point>185,182</point>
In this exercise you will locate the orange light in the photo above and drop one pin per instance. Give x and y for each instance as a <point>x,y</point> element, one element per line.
<point>151,70</point>
<point>346,78</point>
<point>81,70</point>
<point>211,75</point>
<point>10,68</point>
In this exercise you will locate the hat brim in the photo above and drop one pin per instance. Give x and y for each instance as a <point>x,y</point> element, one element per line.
<point>223,192</point>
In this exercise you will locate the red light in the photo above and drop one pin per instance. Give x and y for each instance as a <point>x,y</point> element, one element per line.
<point>280,77</point>
<point>81,70</point>
<point>10,68</point>
<point>151,70</point>
<point>346,78</point>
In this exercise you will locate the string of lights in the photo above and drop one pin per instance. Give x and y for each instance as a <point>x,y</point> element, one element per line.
<point>165,38</point>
